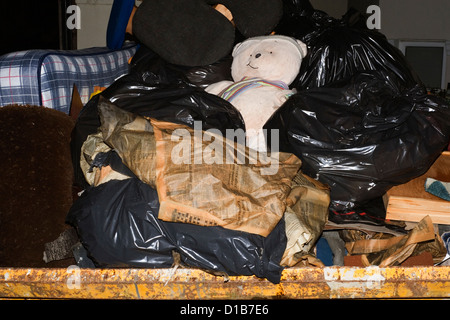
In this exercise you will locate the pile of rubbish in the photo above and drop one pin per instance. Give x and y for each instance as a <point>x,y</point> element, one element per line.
<point>164,185</point>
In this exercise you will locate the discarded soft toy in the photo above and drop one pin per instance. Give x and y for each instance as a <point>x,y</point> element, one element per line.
<point>262,69</point>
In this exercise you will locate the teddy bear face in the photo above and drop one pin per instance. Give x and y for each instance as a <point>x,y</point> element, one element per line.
<point>272,58</point>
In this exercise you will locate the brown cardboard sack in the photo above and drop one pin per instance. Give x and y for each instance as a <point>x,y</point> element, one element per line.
<point>200,176</point>
<point>386,250</point>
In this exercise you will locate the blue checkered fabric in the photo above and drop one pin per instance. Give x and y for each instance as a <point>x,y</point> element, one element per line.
<point>46,77</point>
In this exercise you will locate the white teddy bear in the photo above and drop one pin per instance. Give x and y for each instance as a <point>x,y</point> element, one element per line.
<point>262,69</point>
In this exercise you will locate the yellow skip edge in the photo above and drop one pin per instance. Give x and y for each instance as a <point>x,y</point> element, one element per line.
<point>296,283</point>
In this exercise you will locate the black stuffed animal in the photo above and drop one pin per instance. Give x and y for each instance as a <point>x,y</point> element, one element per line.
<point>193,33</point>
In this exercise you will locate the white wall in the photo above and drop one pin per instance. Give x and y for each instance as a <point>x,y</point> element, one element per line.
<point>334,8</point>
<point>94,22</point>
<point>417,20</point>
<point>405,20</point>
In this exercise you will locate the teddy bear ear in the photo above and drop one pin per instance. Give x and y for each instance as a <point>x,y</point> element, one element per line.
<point>303,47</point>
<point>244,45</point>
<point>236,49</point>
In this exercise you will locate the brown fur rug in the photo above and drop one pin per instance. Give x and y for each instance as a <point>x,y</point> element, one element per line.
<point>36,178</point>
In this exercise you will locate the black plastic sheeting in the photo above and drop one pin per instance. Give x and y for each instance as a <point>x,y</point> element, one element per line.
<point>363,136</point>
<point>163,91</point>
<point>340,48</point>
<point>361,122</point>
<point>118,224</point>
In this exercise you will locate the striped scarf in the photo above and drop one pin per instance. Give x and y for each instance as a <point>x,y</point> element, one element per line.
<point>246,83</point>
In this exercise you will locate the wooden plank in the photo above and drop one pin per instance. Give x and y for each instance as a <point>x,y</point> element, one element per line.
<point>413,209</point>
<point>410,201</point>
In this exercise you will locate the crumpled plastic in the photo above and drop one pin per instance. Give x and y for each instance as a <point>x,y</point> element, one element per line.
<point>157,89</point>
<point>305,200</point>
<point>361,121</point>
<point>358,111</point>
<point>363,136</point>
<point>341,48</point>
<point>161,91</point>
<point>246,191</point>
<point>118,224</point>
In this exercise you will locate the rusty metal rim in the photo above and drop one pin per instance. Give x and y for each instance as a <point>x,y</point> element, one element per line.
<point>296,283</point>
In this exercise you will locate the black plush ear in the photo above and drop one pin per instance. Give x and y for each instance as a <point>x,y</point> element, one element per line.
<point>254,17</point>
<point>184,32</point>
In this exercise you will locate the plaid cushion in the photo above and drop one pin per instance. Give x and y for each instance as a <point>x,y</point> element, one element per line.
<point>46,77</point>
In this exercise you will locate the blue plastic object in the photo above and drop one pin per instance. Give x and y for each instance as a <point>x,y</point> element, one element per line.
<point>117,24</point>
<point>324,252</point>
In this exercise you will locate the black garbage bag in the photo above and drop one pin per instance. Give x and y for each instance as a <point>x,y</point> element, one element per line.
<point>117,221</point>
<point>363,135</point>
<point>118,224</point>
<point>340,48</point>
<point>163,91</point>
<point>361,121</point>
